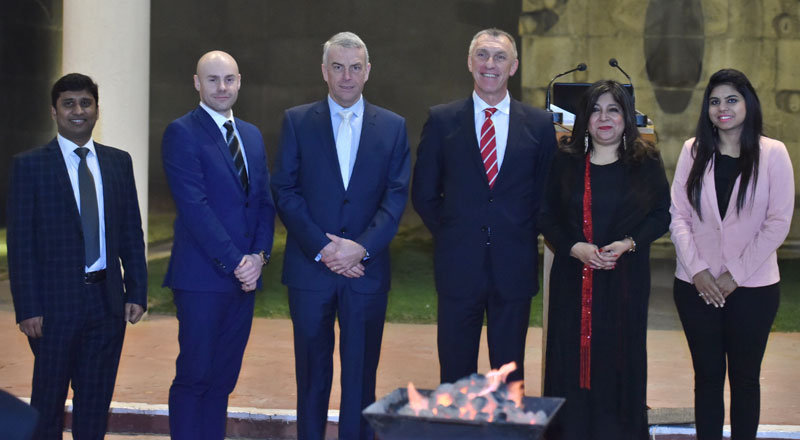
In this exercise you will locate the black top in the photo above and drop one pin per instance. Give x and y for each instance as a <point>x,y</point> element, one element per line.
<point>726,169</point>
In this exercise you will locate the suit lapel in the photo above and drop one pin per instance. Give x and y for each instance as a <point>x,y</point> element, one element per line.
<point>515,122</point>
<point>466,118</point>
<point>108,178</point>
<point>368,133</point>
<point>210,127</point>
<point>322,120</point>
<point>62,176</point>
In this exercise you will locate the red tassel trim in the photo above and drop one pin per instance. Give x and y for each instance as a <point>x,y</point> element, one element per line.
<point>586,285</point>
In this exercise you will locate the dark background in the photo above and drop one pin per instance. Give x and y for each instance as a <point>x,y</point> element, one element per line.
<point>418,51</point>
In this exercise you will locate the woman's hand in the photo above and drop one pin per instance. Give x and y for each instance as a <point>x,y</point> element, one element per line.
<point>706,285</point>
<point>611,252</point>
<point>591,256</point>
<point>726,284</point>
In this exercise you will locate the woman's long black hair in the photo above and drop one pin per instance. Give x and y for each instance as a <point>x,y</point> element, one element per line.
<point>707,139</point>
<point>635,148</point>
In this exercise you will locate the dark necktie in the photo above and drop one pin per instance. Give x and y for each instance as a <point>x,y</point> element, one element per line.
<point>489,146</point>
<point>89,217</point>
<point>236,153</point>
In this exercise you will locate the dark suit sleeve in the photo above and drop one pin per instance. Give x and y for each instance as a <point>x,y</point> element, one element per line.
<point>131,245</point>
<point>656,222</point>
<point>289,198</point>
<point>184,172</point>
<point>386,220</point>
<point>426,192</point>
<point>21,241</point>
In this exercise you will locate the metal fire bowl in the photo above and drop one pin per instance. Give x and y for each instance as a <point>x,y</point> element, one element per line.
<point>388,425</point>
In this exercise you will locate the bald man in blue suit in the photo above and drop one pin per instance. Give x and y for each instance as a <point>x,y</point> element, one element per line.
<point>216,166</point>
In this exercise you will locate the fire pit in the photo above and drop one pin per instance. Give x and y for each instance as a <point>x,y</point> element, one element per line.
<point>390,425</point>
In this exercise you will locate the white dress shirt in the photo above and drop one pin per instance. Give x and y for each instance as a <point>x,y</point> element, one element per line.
<point>499,119</point>
<point>220,121</point>
<point>73,160</point>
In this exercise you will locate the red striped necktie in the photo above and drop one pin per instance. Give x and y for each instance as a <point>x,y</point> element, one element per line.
<point>489,147</point>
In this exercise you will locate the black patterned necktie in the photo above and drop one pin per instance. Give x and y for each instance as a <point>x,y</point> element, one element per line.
<point>89,216</point>
<point>236,153</point>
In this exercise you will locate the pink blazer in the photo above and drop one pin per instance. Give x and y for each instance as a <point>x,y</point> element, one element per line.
<point>743,244</point>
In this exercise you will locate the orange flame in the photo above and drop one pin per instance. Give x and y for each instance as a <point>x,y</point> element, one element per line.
<point>444,399</point>
<point>416,401</point>
<point>516,390</point>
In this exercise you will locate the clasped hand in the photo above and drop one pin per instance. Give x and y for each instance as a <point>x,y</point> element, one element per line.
<point>343,256</point>
<point>248,271</point>
<point>604,258</point>
<point>714,291</point>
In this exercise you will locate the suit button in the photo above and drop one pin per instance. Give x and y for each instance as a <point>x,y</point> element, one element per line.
<point>343,231</point>
<point>483,229</point>
<point>491,199</point>
<point>246,234</point>
<point>246,204</point>
<point>345,202</point>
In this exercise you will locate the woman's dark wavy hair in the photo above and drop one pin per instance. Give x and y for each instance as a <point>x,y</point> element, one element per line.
<point>707,139</point>
<point>635,150</point>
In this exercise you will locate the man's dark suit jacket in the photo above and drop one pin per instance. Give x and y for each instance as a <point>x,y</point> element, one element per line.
<point>312,200</point>
<point>45,237</point>
<point>218,222</point>
<point>452,195</point>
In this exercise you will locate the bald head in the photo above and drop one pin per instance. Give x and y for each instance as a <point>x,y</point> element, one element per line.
<point>218,80</point>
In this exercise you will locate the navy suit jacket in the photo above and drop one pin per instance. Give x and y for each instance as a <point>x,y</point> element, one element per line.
<point>218,222</point>
<point>312,200</point>
<point>452,196</point>
<point>45,238</point>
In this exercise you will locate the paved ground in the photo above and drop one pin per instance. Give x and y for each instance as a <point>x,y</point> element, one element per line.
<point>409,354</point>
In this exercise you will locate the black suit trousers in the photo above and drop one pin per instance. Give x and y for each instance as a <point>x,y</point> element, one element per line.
<point>460,323</point>
<point>83,349</point>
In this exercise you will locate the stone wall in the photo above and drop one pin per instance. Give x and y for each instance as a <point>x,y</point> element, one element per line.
<point>670,49</point>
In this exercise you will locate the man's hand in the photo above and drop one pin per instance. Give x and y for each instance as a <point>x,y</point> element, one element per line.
<point>355,271</point>
<point>346,256</point>
<point>248,271</point>
<point>133,312</point>
<point>32,327</point>
<point>726,284</point>
<point>706,285</point>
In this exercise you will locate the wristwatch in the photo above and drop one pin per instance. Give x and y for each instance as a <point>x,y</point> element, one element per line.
<point>264,257</point>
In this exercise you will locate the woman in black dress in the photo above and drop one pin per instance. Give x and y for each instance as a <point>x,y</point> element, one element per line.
<point>606,200</point>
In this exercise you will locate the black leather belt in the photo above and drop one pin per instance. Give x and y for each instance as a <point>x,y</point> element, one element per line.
<point>94,277</point>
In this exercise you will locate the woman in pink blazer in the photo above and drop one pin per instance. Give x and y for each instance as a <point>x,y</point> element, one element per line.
<point>732,204</point>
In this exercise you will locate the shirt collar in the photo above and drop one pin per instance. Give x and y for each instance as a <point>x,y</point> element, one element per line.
<point>68,147</point>
<point>480,105</point>
<point>357,108</point>
<point>218,118</point>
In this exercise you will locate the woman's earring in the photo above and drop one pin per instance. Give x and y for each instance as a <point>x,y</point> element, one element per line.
<point>586,142</point>
<point>624,142</point>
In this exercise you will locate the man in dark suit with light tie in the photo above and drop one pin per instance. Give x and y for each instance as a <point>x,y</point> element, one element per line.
<point>216,167</point>
<point>478,181</point>
<point>73,225</point>
<point>340,185</point>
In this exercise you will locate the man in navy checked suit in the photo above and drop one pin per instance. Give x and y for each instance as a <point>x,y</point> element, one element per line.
<point>74,310</point>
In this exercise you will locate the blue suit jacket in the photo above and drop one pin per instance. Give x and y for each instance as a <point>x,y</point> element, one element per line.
<point>217,221</point>
<point>45,236</point>
<point>452,196</point>
<point>312,200</point>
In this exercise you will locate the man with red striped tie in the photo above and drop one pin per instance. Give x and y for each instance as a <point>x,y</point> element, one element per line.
<point>478,181</point>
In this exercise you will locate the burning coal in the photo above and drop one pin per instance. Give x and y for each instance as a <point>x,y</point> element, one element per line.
<point>477,397</point>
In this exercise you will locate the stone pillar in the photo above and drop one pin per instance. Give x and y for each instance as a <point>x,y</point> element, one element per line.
<point>110,41</point>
